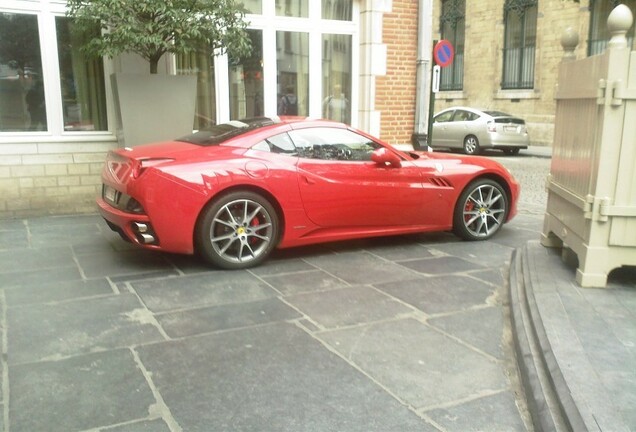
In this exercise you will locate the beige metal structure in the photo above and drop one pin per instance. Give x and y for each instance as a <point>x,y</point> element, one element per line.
<point>591,206</point>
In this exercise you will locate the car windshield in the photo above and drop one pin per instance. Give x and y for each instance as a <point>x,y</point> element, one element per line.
<point>217,134</point>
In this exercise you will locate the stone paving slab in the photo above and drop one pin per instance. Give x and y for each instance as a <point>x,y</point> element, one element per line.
<point>51,331</point>
<point>304,281</point>
<point>436,295</point>
<point>441,265</point>
<point>78,393</point>
<point>477,327</point>
<point>141,426</point>
<point>348,265</point>
<point>348,306</point>
<point>491,413</point>
<point>55,291</point>
<point>206,289</point>
<point>30,278</point>
<point>225,317</point>
<point>400,355</point>
<point>116,263</point>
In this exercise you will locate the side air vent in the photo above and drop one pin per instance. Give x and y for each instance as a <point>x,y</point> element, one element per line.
<point>441,182</point>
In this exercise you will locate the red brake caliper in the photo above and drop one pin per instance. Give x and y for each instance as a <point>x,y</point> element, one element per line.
<point>470,206</point>
<point>254,222</point>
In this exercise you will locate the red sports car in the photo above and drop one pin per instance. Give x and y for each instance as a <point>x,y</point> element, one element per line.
<point>237,190</point>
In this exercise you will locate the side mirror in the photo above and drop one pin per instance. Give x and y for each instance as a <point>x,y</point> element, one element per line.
<point>384,156</point>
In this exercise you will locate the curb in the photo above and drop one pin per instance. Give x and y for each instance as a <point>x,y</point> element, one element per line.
<point>550,402</point>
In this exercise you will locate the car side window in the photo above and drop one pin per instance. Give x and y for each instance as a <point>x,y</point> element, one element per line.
<point>332,144</point>
<point>461,115</point>
<point>444,117</point>
<point>281,144</point>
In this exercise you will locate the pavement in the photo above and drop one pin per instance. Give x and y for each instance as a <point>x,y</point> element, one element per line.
<point>415,333</point>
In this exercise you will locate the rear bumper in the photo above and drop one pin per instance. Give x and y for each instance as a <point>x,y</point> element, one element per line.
<point>134,227</point>
<point>497,140</point>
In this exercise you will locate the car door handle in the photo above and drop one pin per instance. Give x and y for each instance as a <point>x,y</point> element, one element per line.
<point>308,180</point>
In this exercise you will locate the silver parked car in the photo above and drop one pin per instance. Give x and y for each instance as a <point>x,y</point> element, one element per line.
<point>472,130</point>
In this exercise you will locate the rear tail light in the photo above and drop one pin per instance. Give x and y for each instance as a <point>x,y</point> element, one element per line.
<point>491,126</point>
<point>139,166</point>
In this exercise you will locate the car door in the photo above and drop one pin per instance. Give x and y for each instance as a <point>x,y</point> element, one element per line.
<point>341,187</point>
<point>440,132</point>
<point>458,128</point>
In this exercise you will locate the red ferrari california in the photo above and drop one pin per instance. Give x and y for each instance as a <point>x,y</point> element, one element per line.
<point>237,190</point>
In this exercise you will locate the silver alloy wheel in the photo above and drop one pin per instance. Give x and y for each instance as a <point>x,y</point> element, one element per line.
<point>241,231</point>
<point>471,145</point>
<point>484,210</point>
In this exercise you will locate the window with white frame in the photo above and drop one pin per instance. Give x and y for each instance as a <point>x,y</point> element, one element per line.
<point>46,84</point>
<point>308,48</point>
<point>302,63</point>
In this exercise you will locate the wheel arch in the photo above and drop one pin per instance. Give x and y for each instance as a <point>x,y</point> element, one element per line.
<point>469,221</point>
<point>235,188</point>
<point>477,139</point>
<point>497,178</point>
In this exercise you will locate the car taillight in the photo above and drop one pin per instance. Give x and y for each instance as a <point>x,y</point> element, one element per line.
<point>491,126</point>
<point>139,166</point>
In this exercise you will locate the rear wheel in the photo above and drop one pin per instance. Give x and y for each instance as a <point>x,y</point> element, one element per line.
<point>238,230</point>
<point>471,145</point>
<point>481,210</point>
<point>511,151</point>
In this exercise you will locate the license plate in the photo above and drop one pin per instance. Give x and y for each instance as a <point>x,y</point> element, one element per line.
<point>511,129</point>
<point>110,194</point>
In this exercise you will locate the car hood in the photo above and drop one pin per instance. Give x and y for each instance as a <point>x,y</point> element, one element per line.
<point>452,159</point>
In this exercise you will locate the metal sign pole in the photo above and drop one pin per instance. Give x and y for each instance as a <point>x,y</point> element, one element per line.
<point>431,105</point>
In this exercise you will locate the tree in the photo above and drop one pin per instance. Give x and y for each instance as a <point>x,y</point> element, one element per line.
<point>152,28</point>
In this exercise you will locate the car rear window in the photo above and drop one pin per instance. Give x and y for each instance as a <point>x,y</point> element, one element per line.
<point>218,134</point>
<point>497,114</point>
<point>513,120</point>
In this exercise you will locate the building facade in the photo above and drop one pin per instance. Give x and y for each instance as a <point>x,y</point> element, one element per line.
<point>349,60</point>
<point>507,53</point>
<point>357,61</point>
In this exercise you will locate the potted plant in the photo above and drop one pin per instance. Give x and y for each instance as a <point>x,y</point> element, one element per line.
<point>151,29</point>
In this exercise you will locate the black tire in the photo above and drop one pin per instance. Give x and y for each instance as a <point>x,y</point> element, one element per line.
<point>471,145</point>
<point>482,208</point>
<point>238,230</point>
<point>511,151</point>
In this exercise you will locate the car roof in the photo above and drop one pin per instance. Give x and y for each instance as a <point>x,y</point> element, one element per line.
<point>224,132</point>
<point>480,111</point>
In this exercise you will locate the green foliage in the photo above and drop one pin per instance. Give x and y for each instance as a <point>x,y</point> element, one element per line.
<point>152,28</point>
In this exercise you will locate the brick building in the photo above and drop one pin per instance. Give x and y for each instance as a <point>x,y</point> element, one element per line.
<point>396,90</point>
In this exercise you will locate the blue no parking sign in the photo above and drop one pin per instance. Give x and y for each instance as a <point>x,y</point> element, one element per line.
<point>443,53</point>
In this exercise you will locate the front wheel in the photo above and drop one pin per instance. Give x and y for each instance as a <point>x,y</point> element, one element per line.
<point>481,210</point>
<point>471,145</point>
<point>238,230</point>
